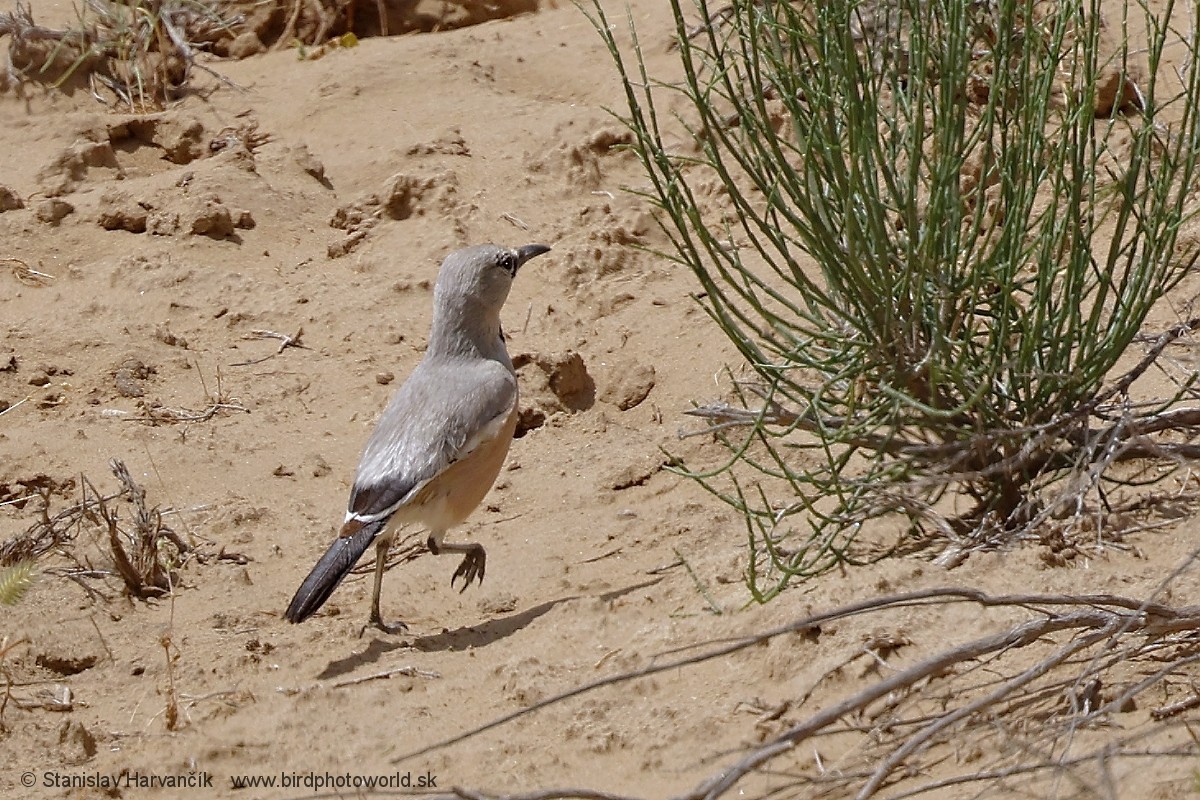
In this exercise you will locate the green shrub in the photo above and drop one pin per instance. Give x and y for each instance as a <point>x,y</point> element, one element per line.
<point>940,227</point>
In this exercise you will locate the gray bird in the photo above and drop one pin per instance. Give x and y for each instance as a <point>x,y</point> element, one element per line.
<point>440,443</point>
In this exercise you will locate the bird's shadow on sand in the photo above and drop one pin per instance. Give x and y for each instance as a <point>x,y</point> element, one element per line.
<point>463,638</point>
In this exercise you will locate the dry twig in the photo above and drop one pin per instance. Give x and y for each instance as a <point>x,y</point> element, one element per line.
<point>409,548</point>
<point>171,415</point>
<point>962,690</point>
<point>27,274</point>
<point>285,341</point>
<point>411,672</point>
<point>50,532</point>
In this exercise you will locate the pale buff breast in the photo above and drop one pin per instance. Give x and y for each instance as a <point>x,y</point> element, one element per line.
<point>450,498</point>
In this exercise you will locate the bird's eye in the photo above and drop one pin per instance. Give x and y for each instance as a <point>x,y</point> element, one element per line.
<point>508,262</point>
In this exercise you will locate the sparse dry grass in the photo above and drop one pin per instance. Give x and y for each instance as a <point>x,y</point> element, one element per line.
<point>142,55</point>
<point>136,57</point>
<point>144,553</point>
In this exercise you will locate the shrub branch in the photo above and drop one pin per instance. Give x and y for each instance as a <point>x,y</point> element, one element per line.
<point>933,230</point>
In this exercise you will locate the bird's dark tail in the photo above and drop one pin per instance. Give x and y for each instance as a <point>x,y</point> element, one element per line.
<point>337,562</point>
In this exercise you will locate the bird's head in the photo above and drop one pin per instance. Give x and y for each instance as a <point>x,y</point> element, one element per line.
<point>478,278</point>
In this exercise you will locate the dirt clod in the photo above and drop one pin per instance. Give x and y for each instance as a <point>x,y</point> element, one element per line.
<point>52,210</point>
<point>10,200</point>
<point>628,387</point>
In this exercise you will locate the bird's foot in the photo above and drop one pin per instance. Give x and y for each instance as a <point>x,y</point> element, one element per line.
<point>376,622</point>
<point>471,568</point>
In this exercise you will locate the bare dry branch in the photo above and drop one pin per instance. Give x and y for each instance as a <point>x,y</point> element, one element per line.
<point>1116,630</point>
<point>461,793</point>
<point>285,341</point>
<point>51,532</point>
<point>173,415</point>
<point>410,672</point>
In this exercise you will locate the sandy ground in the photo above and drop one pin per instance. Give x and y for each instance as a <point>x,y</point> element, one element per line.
<point>599,559</point>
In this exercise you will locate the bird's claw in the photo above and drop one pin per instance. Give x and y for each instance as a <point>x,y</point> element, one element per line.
<point>376,622</point>
<point>471,568</point>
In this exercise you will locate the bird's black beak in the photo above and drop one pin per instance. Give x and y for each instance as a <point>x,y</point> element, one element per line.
<point>529,251</point>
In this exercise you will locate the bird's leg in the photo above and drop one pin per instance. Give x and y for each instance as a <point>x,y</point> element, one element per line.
<point>474,558</point>
<point>381,550</point>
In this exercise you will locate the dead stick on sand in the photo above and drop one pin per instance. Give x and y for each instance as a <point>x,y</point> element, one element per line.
<point>285,341</point>
<point>164,414</point>
<point>14,406</point>
<point>411,672</point>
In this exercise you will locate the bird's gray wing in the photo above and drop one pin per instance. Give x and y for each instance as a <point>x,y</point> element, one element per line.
<point>443,412</point>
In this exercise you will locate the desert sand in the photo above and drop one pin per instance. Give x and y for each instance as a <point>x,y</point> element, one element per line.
<point>318,198</point>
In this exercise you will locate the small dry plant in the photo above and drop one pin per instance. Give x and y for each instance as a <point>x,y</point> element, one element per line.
<point>138,55</point>
<point>144,554</point>
<point>15,581</point>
